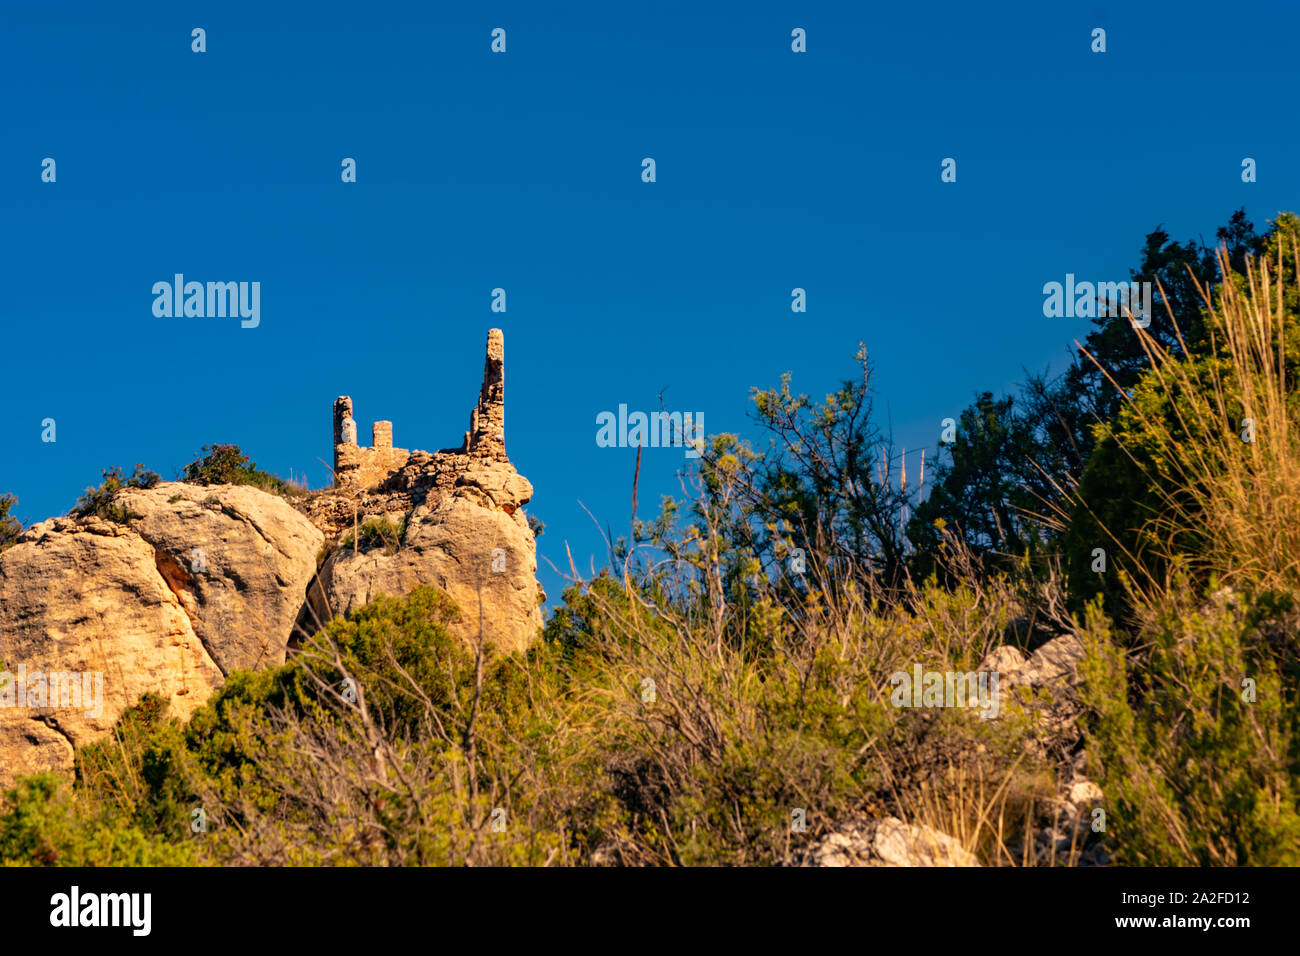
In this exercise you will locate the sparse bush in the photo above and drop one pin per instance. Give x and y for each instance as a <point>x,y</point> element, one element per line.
<point>10,527</point>
<point>227,465</point>
<point>379,533</point>
<point>100,501</point>
<point>1197,735</point>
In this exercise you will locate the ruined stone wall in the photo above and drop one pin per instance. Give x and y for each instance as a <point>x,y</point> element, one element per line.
<point>358,466</point>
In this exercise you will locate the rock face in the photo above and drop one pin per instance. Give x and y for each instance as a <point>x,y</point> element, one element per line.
<point>470,539</point>
<point>198,581</point>
<point>238,559</point>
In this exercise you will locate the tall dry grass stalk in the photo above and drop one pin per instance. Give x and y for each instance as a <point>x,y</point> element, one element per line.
<point>1222,447</point>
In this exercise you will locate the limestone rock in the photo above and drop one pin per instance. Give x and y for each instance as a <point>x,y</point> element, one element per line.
<point>474,543</point>
<point>198,582</point>
<point>1049,680</point>
<point>1083,793</point>
<point>887,842</point>
<point>238,559</point>
<point>1005,661</point>
<point>84,606</point>
<point>455,520</point>
<point>1057,661</point>
<point>1054,663</point>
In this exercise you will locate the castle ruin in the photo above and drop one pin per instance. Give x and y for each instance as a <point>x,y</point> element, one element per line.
<point>358,467</point>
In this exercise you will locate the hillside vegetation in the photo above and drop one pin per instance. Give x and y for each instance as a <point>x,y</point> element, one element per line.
<point>722,692</point>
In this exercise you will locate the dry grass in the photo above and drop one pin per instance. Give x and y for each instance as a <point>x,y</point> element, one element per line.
<point>1219,440</point>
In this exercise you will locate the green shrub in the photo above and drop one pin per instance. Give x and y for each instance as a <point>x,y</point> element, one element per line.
<point>1201,465</point>
<point>100,501</point>
<point>387,740</point>
<point>10,527</point>
<point>227,465</point>
<point>453,729</point>
<point>791,714</point>
<point>44,821</point>
<point>1197,735</point>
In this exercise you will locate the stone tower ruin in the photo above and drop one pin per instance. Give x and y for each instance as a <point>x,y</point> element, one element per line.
<point>357,466</point>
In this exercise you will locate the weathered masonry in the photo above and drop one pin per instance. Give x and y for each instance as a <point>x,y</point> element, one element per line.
<point>359,466</point>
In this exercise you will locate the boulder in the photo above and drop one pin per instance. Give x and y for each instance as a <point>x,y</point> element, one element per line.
<point>1055,663</point>
<point>1005,661</point>
<point>198,581</point>
<point>473,542</point>
<point>887,842</point>
<point>238,559</point>
<point>84,607</point>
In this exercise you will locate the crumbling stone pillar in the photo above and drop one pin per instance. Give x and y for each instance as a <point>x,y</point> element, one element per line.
<point>342,410</point>
<point>355,465</point>
<point>487,422</point>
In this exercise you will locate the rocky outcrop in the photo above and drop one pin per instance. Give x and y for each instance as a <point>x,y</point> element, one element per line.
<point>455,524</point>
<point>452,518</point>
<point>238,559</point>
<point>1045,686</point>
<point>196,582</point>
<point>886,842</point>
<point>192,582</point>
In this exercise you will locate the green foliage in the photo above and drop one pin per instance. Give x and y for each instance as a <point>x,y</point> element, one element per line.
<point>562,744</point>
<point>1154,486</point>
<point>44,821</point>
<point>1198,766</point>
<point>100,501</point>
<point>736,733</point>
<point>986,489</point>
<point>827,477</point>
<point>1006,484</point>
<point>1177,268</point>
<point>10,527</point>
<point>452,730</point>
<point>227,465</point>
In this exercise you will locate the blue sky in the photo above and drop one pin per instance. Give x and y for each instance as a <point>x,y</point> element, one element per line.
<point>522,171</point>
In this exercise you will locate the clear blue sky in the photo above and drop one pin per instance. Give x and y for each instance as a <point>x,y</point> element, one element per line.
<point>522,171</point>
